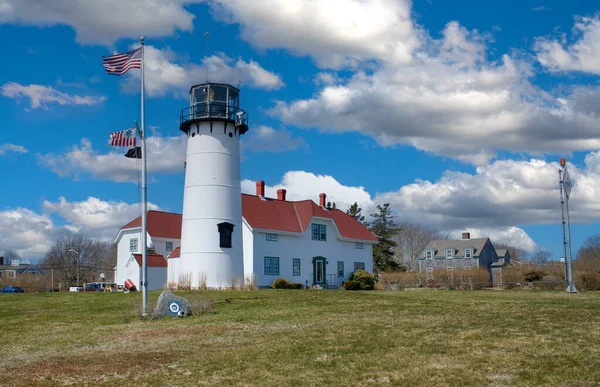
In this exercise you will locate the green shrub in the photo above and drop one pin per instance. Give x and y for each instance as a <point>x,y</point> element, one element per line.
<point>281,283</point>
<point>295,285</point>
<point>534,275</point>
<point>351,285</point>
<point>366,279</point>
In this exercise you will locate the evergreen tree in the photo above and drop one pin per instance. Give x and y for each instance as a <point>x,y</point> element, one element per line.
<point>384,229</point>
<point>356,212</point>
<point>331,206</point>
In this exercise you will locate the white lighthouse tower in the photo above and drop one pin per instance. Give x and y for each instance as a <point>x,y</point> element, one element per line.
<point>211,234</point>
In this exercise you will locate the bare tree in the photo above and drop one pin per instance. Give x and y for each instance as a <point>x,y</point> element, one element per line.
<point>77,259</point>
<point>10,256</point>
<point>541,257</point>
<point>411,241</point>
<point>590,249</point>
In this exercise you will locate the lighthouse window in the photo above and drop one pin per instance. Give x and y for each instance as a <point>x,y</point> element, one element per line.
<point>225,231</point>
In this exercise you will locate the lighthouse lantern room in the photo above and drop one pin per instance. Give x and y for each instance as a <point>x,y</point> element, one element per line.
<point>211,233</point>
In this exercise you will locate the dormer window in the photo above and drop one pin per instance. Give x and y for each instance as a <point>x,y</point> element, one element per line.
<point>225,232</point>
<point>429,254</point>
<point>449,253</point>
<point>468,253</point>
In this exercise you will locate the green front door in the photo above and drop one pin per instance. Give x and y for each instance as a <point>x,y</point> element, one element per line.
<point>319,270</point>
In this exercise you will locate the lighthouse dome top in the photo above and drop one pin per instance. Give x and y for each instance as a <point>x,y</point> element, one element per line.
<point>214,102</point>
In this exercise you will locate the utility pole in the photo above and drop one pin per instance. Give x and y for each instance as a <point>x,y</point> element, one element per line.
<point>566,185</point>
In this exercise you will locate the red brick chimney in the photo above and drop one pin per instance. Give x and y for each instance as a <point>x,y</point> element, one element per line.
<point>466,235</point>
<point>322,199</point>
<point>281,194</point>
<point>260,188</point>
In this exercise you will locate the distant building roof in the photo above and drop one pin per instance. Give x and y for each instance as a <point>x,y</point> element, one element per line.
<point>459,246</point>
<point>152,260</point>
<point>501,253</point>
<point>11,267</point>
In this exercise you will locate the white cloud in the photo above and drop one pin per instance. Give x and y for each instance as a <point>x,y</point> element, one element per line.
<point>451,101</point>
<point>31,234</point>
<point>581,55</point>
<point>540,8</point>
<point>335,33</point>
<point>102,21</point>
<point>302,185</point>
<point>326,78</point>
<point>28,233</point>
<point>165,155</point>
<point>266,139</point>
<point>164,73</point>
<point>592,161</point>
<point>40,96</point>
<point>95,217</point>
<point>7,148</point>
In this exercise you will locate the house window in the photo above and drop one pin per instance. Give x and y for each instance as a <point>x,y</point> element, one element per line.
<point>225,231</point>
<point>296,266</point>
<point>429,254</point>
<point>169,246</point>
<point>468,253</point>
<point>271,266</point>
<point>340,268</point>
<point>272,237</point>
<point>449,253</point>
<point>319,232</point>
<point>358,245</point>
<point>429,270</point>
<point>133,245</point>
<point>359,266</point>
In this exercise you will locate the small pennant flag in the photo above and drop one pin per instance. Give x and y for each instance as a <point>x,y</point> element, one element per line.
<point>119,64</point>
<point>134,153</point>
<point>123,138</point>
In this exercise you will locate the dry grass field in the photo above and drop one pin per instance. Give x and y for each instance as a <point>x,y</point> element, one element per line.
<point>305,337</point>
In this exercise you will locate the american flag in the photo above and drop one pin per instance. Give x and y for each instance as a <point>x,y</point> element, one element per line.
<point>123,138</point>
<point>119,64</point>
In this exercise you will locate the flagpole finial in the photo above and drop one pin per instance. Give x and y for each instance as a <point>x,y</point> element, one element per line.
<point>142,39</point>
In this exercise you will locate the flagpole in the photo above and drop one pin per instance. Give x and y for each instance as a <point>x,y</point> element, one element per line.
<point>144,195</point>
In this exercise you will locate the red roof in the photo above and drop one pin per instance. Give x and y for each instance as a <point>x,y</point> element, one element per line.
<point>152,260</point>
<point>175,253</point>
<point>265,214</point>
<point>159,224</point>
<point>278,215</point>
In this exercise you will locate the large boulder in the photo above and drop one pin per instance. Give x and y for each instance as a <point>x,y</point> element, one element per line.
<point>169,304</point>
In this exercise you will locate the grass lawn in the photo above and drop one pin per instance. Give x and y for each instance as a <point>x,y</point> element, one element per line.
<point>305,337</point>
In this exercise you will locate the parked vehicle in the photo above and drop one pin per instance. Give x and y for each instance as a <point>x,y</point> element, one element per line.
<point>94,287</point>
<point>11,289</point>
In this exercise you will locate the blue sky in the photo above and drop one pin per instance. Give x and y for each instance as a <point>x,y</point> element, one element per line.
<point>454,112</point>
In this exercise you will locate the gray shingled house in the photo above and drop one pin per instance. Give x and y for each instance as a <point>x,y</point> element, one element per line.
<point>465,253</point>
